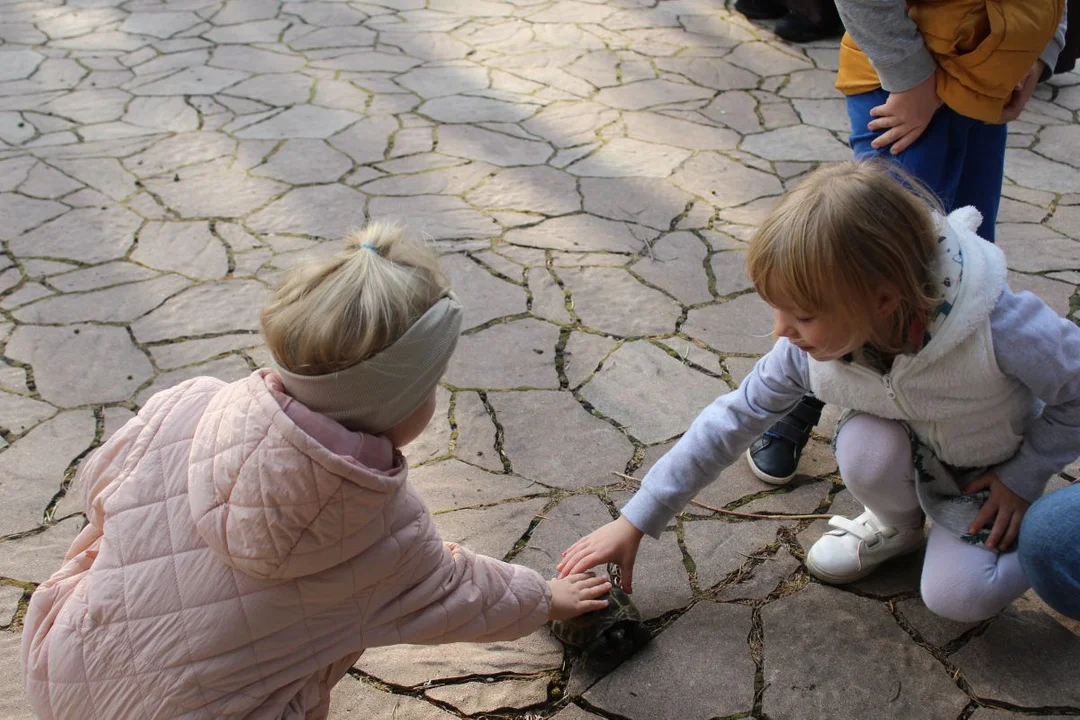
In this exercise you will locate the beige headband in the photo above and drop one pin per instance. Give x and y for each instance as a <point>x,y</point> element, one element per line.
<point>378,393</point>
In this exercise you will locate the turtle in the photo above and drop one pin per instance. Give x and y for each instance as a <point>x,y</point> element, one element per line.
<point>614,633</point>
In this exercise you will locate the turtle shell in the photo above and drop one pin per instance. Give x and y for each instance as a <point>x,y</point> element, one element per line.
<point>616,632</point>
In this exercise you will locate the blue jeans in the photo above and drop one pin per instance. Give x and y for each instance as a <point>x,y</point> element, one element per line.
<point>960,159</point>
<point>1049,549</point>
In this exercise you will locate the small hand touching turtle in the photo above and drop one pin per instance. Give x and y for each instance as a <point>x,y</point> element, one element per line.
<point>615,632</point>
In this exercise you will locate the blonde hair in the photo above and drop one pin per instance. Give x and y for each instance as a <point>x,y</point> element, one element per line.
<point>841,237</point>
<point>331,313</point>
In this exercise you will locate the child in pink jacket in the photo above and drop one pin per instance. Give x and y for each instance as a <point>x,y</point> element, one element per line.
<point>247,541</point>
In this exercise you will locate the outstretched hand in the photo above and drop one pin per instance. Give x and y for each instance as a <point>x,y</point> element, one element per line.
<point>576,595</point>
<point>1004,507</point>
<point>617,542</point>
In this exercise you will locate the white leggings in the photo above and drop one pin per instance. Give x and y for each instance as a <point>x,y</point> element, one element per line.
<point>959,581</point>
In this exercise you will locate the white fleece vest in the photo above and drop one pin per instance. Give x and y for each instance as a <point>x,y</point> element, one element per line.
<point>951,393</point>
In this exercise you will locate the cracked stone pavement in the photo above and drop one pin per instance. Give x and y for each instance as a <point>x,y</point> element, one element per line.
<point>592,170</point>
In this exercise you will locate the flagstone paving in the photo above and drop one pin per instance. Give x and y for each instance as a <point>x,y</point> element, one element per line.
<point>592,170</point>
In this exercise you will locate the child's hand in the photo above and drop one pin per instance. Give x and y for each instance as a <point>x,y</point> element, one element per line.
<point>1006,507</point>
<point>615,542</point>
<point>577,595</point>
<point>1022,92</point>
<point>904,116</point>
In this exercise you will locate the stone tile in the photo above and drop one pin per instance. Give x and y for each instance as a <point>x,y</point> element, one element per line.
<point>33,468</point>
<point>580,233</point>
<point>276,90</point>
<point>710,72</point>
<point>1043,644</point>
<point>305,161</point>
<point>688,352</point>
<point>741,325</point>
<point>670,395</point>
<point>261,31</point>
<point>438,216</point>
<point>105,235</point>
<point>650,93</point>
<point>411,665</point>
<point>625,157</point>
<point>26,294</point>
<point>434,442</point>
<point>989,714</point>
<point>548,298</point>
<point>47,183</point>
<point>801,499</point>
<point>723,182</point>
<point>590,448</point>
<point>690,688</point>
<point>1034,171</point>
<point>197,80</point>
<point>174,355</point>
<point>535,189</point>
<point>13,703</point>
<point>828,114</point>
<point>471,109</point>
<point>18,413</point>
<point>228,368</point>
<point>186,247</point>
<point>482,697</point>
<point>452,484</point>
<point>476,434</point>
<point>894,679</point>
<point>573,712</point>
<point>301,121</point>
<point>797,143</point>
<point>327,211</point>
<point>19,214</point>
<point>676,265</point>
<point>454,180</point>
<point>431,82</point>
<point>764,59</point>
<point>496,148</point>
<point>106,175</point>
<point>351,699</point>
<point>111,368</point>
<point>729,271</point>
<point>644,200</point>
<point>489,531</point>
<point>612,301</point>
<point>654,127</point>
<point>562,526</point>
<point>1043,249</point>
<point>570,124</point>
<point>18,64</point>
<point>179,151</point>
<point>583,352</point>
<point>36,557</point>
<point>120,303</point>
<point>218,307</point>
<point>764,578</point>
<point>254,59</point>
<point>9,603</point>
<point>934,629</point>
<point>214,190</point>
<point>330,37</point>
<point>519,354</point>
<point>719,548</point>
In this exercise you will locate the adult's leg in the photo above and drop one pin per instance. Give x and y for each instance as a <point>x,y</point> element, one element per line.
<point>1050,549</point>
<point>966,582</point>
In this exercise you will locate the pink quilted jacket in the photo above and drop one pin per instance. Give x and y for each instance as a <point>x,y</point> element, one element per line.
<point>235,567</point>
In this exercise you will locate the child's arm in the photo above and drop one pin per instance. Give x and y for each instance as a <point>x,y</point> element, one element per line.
<point>721,433</point>
<point>1033,344</point>
<point>892,41</point>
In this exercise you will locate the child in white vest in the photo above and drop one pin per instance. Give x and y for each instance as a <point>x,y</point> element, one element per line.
<point>963,396</point>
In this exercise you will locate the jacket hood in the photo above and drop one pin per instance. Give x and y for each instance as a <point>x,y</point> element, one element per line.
<point>273,501</point>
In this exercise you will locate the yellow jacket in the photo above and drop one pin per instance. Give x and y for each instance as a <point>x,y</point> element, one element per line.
<point>982,48</point>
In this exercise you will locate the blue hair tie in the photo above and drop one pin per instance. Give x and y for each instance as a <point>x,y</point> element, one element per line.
<point>370,247</point>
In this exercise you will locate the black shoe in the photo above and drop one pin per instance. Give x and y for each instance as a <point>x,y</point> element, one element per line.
<point>774,457</point>
<point>761,9</point>
<point>798,28</point>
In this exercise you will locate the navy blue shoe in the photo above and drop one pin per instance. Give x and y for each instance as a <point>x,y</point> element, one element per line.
<point>774,457</point>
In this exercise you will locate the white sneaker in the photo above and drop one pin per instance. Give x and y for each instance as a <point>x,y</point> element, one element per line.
<point>856,547</point>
